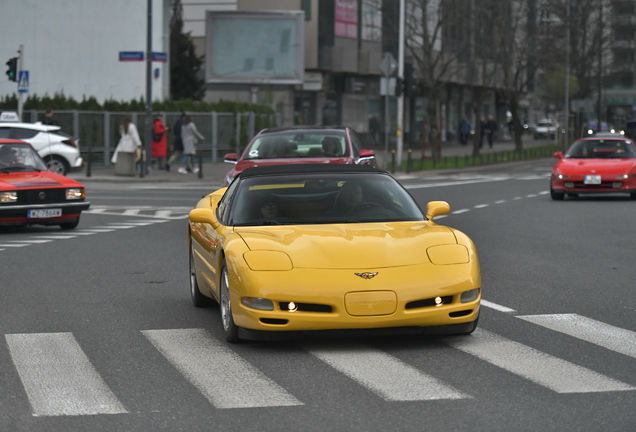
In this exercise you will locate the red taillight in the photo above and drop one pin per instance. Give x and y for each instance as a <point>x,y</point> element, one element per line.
<point>69,143</point>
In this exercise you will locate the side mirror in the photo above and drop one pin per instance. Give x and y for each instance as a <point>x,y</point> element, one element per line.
<point>230,158</point>
<point>367,153</point>
<point>558,155</point>
<point>436,208</point>
<point>204,215</point>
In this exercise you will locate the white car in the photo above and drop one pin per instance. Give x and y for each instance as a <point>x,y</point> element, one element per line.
<point>59,150</point>
<point>545,129</point>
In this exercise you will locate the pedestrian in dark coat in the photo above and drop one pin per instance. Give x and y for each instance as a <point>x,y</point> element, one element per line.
<point>464,131</point>
<point>483,130</point>
<point>177,142</point>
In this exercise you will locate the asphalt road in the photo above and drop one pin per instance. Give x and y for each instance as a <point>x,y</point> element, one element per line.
<point>99,333</point>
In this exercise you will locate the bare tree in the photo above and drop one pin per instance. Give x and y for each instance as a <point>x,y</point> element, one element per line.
<point>437,38</point>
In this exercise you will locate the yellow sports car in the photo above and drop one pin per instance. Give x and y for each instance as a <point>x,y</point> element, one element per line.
<point>295,248</point>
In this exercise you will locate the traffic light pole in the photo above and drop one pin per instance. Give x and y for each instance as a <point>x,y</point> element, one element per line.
<point>20,68</point>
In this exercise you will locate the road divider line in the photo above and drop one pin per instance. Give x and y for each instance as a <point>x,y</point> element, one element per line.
<point>460,211</point>
<point>383,374</point>
<point>30,241</point>
<point>548,371</point>
<point>478,206</point>
<point>16,245</point>
<point>495,306</point>
<point>500,201</point>
<point>599,333</point>
<point>221,375</point>
<point>58,377</point>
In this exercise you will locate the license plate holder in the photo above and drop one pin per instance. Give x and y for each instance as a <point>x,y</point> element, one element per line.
<point>44,213</point>
<point>592,179</point>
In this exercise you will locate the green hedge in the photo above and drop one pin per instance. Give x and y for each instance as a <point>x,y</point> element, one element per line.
<point>61,102</point>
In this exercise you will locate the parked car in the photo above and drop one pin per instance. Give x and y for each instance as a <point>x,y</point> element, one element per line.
<point>59,150</point>
<point>545,129</point>
<point>305,144</point>
<point>294,248</point>
<point>595,165</point>
<point>32,195</point>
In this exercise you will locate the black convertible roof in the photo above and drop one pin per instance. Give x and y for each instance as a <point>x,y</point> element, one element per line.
<point>270,170</point>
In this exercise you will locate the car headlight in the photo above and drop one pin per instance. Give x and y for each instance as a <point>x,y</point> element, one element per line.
<point>76,193</point>
<point>590,131</point>
<point>8,197</point>
<point>468,296</point>
<point>625,176</point>
<point>257,303</point>
<point>266,260</point>
<point>448,254</point>
<point>561,176</point>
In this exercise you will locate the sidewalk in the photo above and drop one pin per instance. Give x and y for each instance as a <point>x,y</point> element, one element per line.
<point>215,172</point>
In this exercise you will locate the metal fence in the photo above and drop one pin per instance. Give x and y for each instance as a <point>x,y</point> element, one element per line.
<point>98,131</point>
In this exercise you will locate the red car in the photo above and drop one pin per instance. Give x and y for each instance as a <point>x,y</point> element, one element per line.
<point>595,165</point>
<point>301,145</point>
<point>30,194</point>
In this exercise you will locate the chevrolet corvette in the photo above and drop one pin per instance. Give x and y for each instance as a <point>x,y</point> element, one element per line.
<point>298,248</point>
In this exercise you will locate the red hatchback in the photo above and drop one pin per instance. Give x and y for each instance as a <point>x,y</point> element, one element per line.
<point>595,165</point>
<point>301,145</point>
<point>30,194</point>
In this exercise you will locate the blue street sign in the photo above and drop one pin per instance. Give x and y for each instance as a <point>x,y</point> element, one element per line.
<point>23,81</point>
<point>131,55</point>
<point>160,57</point>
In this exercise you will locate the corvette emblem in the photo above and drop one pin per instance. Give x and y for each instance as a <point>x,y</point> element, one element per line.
<point>366,275</point>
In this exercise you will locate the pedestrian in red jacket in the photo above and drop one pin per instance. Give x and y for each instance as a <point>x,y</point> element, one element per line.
<point>159,142</point>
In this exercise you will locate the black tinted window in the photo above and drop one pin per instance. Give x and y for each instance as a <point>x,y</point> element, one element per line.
<point>4,132</point>
<point>20,133</point>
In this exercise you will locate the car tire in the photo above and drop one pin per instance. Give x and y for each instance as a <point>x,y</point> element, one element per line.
<point>557,196</point>
<point>57,164</point>
<point>70,225</point>
<point>198,299</point>
<point>230,329</point>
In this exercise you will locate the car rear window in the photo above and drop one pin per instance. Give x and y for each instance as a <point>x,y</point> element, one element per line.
<point>22,133</point>
<point>297,144</point>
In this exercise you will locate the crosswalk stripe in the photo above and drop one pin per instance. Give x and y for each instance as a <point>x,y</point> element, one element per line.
<point>14,245</point>
<point>131,212</point>
<point>613,338</point>
<point>55,237</point>
<point>98,230</point>
<point>546,370</point>
<point>385,375</point>
<point>163,213</point>
<point>58,377</point>
<point>30,241</point>
<point>224,378</point>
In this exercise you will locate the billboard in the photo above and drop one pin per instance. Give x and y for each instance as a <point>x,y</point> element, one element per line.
<point>254,47</point>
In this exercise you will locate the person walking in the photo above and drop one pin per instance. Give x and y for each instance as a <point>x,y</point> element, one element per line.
<point>190,136</point>
<point>159,142</point>
<point>491,126</point>
<point>128,143</point>
<point>464,131</point>
<point>177,142</point>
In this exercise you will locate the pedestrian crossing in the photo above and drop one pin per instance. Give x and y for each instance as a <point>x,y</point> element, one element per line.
<point>170,213</point>
<point>59,378</point>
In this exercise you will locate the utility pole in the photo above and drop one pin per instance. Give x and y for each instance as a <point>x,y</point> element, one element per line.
<point>600,66</point>
<point>148,120</point>
<point>400,100</point>
<point>567,77</point>
<point>20,68</point>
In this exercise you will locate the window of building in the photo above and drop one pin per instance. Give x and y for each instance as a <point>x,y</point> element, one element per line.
<point>372,20</point>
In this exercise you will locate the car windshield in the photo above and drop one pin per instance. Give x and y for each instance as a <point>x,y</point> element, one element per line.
<point>601,149</point>
<point>15,157</point>
<point>321,199</point>
<point>298,144</point>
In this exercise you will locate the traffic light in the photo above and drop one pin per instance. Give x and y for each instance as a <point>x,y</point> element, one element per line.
<point>12,69</point>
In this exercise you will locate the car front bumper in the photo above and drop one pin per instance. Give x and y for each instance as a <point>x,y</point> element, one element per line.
<point>18,214</point>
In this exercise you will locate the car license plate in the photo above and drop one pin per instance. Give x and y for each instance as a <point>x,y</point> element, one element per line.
<point>592,179</point>
<point>44,213</point>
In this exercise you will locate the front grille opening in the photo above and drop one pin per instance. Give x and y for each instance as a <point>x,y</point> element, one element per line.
<point>275,321</point>
<point>307,307</point>
<point>460,313</point>
<point>428,302</point>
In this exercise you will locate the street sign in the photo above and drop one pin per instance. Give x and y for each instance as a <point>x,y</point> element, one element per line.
<point>23,81</point>
<point>160,57</point>
<point>388,65</point>
<point>131,55</point>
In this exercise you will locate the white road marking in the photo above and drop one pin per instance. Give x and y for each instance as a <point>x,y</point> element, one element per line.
<point>460,211</point>
<point>58,377</point>
<point>115,226</point>
<point>30,241</point>
<point>554,373</point>
<point>607,336</point>
<point>517,198</point>
<point>385,375</point>
<point>91,230</point>
<point>95,210</point>
<point>225,378</point>
<point>478,206</point>
<point>531,195</point>
<point>55,237</point>
<point>131,212</point>
<point>454,183</point>
<point>16,245</point>
<point>544,192</point>
<point>163,213</point>
<point>500,202</point>
<point>495,306</point>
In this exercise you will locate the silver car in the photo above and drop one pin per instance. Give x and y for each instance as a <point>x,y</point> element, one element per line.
<point>59,150</point>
